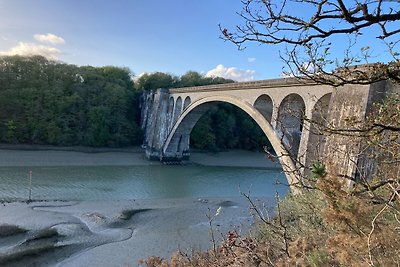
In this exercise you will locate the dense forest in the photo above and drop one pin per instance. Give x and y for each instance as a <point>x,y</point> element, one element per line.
<point>49,102</point>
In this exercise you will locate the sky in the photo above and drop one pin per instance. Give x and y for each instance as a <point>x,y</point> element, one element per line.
<point>146,36</point>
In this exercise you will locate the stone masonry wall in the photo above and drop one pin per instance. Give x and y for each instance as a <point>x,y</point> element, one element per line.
<point>349,107</point>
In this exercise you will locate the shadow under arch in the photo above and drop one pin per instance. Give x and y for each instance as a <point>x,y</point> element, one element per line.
<point>187,102</point>
<point>290,122</point>
<point>318,122</point>
<point>177,143</point>
<point>177,109</point>
<point>264,104</point>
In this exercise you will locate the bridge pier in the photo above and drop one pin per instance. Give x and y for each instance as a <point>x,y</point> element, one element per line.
<point>155,122</point>
<point>350,105</point>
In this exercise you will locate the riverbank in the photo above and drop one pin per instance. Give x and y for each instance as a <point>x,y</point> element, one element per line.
<point>113,233</point>
<point>81,156</point>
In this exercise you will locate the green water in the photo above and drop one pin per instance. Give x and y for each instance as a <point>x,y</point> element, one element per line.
<point>138,182</point>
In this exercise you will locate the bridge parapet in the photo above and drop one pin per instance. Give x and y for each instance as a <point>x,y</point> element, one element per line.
<point>272,83</point>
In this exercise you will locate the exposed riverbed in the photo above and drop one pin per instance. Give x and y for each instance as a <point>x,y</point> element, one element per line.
<point>117,207</point>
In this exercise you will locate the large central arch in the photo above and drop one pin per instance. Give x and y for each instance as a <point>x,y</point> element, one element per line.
<point>177,143</point>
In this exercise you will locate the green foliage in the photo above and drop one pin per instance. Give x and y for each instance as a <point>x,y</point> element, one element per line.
<point>317,258</point>
<point>192,78</point>
<point>318,170</point>
<point>98,122</point>
<point>227,127</point>
<point>164,80</point>
<point>11,127</point>
<point>155,80</point>
<point>47,102</point>
<point>202,136</point>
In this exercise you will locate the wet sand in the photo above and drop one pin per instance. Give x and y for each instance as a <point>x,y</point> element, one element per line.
<point>115,233</point>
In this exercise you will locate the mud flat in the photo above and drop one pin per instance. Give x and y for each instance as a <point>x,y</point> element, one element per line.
<point>113,233</point>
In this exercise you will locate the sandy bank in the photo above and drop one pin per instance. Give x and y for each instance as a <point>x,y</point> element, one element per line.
<point>128,157</point>
<point>114,233</point>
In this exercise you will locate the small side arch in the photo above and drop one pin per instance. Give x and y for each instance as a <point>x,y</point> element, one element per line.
<point>290,122</point>
<point>317,138</point>
<point>178,109</point>
<point>187,102</point>
<point>264,105</point>
<point>173,146</point>
<point>170,113</point>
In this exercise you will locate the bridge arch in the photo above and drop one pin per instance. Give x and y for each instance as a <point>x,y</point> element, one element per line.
<point>178,109</point>
<point>290,122</point>
<point>264,105</point>
<point>177,142</point>
<point>170,113</point>
<point>187,102</point>
<point>317,138</point>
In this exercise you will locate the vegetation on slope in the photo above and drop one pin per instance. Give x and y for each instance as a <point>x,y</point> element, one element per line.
<point>48,102</point>
<point>226,127</point>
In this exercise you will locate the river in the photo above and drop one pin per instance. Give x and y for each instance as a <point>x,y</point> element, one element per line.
<point>101,182</point>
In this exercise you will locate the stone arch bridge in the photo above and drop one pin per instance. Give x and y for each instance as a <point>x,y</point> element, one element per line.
<point>283,108</point>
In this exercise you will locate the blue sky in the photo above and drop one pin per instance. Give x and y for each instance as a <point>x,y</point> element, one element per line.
<point>171,36</point>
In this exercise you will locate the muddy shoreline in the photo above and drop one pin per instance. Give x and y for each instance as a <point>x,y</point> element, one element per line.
<point>114,233</point>
<point>134,156</point>
<point>118,232</point>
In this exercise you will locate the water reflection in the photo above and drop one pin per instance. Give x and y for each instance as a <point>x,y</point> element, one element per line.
<point>138,182</point>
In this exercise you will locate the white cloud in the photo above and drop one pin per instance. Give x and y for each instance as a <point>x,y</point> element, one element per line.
<point>231,73</point>
<point>251,59</point>
<point>136,77</point>
<point>49,38</point>
<point>306,67</point>
<point>30,49</point>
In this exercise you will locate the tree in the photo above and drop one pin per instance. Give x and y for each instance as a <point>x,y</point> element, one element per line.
<point>193,78</point>
<point>313,33</point>
<point>155,80</point>
<point>47,102</point>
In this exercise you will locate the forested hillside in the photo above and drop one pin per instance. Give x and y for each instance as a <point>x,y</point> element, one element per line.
<point>49,102</point>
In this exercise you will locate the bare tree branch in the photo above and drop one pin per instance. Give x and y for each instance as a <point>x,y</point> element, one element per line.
<point>306,33</point>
